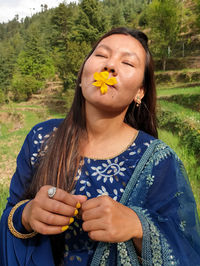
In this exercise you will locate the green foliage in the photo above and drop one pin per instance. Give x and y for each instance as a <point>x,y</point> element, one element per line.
<point>187,100</point>
<point>2,96</point>
<point>164,19</point>
<point>55,41</point>
<point>90,23</point>
<point>172,119</point>
<point>24,86</point>
<point>197,10</point>
<point>74,57</point>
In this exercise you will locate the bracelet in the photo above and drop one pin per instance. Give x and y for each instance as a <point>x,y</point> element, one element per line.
<point>11,226</point>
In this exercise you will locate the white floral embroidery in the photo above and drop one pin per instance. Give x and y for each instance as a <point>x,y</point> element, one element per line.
<point>150,180</point>
<point>102,191</point>
<point>183,225</point>
<point>39,139</point>
<point>108,170</point>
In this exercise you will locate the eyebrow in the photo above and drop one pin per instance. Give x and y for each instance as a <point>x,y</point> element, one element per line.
<point>124,53</point>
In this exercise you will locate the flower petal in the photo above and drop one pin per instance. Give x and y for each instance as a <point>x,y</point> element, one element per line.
<point>111,81</point>
<point>97,76</point>
<point>104,88</point>
<point>97,83</point>
<point>104,75</point>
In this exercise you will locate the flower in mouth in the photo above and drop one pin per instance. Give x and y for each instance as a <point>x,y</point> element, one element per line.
<point>102,81</point>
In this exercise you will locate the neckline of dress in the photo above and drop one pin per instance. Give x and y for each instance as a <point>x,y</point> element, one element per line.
<point>133,140</point>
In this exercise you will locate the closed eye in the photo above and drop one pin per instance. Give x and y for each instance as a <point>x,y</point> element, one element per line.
<point>129,64</point>
<point>100,55</point>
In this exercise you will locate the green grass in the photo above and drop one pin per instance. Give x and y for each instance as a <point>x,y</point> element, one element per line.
<point>191,101</point>
<point>21,118</point>
<point>4,192</point>
<point>189,160</point>
<point>178,91</point>
<point>186,114</point>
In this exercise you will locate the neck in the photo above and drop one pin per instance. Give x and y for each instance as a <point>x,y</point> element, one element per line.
<point>107,134</point>
<point>101,125</point>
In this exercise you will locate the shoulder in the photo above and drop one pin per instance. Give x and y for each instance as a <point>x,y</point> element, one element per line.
<point>47,126</point>
<point>42,129</point>
<point>38,135</point>
<point>160,151</point>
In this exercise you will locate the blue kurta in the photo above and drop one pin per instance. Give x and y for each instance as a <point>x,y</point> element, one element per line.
<point>148,177</point>
<point>101,177</point>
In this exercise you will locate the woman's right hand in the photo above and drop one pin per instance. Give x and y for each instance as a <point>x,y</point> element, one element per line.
<point>49,216</point>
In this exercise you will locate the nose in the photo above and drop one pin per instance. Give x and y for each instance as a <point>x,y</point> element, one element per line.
<point>111,70</point>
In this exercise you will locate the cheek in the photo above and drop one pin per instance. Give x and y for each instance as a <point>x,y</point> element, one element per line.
<point>87,75</point>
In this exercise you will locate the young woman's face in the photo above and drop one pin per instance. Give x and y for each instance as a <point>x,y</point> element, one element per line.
<point>124,58</point>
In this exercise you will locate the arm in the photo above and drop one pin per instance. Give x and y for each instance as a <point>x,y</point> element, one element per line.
<point>14,250</point>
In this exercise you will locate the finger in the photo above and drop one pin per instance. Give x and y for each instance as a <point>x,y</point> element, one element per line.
<point>91,203</point>
<point>80,198</point>
<point>62,196</point>
<point>90,214</point>
<point>53,219</point>
<point>45,229</point>
<point>93,225</point>
<point>57,207</point>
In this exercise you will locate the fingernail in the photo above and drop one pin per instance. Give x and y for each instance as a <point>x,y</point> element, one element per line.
<point>64,228</point>
<point>71,220</point>
<point>78,205</point>
<point>75,212</point>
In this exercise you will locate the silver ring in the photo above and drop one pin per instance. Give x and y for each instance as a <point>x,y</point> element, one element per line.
<point>51,192</point>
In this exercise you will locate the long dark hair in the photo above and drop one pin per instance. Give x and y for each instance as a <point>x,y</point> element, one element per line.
<point>59,165</point>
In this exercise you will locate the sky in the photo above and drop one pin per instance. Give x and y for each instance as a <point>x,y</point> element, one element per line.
<point>9,8</point>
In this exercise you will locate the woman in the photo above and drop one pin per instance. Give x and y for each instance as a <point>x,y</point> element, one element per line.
<point>102,189</point>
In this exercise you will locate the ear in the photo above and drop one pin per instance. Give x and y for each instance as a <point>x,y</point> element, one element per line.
<point>139,95</point>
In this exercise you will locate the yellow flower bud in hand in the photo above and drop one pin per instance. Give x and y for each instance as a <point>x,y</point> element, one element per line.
<point>102,81</point>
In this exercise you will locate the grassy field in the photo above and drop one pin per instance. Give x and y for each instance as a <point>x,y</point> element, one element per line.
<point>179,120</point>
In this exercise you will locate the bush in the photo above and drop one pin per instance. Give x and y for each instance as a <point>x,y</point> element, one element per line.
<point>183,77</point>
<point>163,78</point>
<point>23,86</point>
<point>195,76</point>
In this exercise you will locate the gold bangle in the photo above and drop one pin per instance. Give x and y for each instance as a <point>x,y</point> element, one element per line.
<point>11,226</point>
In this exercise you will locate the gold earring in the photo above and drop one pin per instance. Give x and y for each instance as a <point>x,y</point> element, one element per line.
<point>138,101</point>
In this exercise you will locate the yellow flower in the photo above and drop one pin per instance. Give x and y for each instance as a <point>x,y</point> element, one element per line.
<point>102,81</point>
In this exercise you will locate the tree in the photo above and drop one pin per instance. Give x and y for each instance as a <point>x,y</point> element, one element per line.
<point>33,59</point>
<point>164,20</point>
<point>198,13</point>
<point>91,22</point>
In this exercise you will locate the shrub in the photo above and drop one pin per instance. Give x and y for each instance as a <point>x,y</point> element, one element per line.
<point>23,86</point>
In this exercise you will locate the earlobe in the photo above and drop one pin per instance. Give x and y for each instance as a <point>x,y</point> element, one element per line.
<point>139,96</point>
<point>141,92</point>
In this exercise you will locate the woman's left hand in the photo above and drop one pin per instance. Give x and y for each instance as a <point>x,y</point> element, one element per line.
<point>109,221</point>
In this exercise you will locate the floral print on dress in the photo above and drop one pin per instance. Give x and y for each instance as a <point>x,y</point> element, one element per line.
<point>95,178</point>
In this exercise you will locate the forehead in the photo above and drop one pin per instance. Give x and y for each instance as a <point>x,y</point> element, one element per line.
<point>122,43</point>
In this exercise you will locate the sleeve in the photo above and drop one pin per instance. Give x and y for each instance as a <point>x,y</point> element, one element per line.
<point>15,251</point>
<point>167,210</point>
